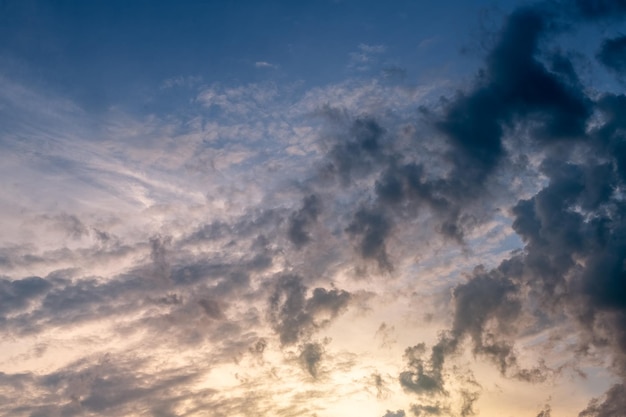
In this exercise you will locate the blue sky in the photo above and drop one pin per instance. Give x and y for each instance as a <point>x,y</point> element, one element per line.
<point>107,53</point>
<point>324,208</point>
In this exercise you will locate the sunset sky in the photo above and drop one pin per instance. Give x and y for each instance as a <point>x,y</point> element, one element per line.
<point>325,208</point>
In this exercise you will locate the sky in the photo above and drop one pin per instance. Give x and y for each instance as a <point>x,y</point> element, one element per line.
<point>325,208</point>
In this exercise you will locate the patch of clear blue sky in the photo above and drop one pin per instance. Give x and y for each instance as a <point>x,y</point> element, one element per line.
<point>114,52</point>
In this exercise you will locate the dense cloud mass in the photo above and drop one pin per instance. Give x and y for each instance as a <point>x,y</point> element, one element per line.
<point>573,228</point>
<point>346,252</point>
<point>613,54</point>
<point>601,8</point>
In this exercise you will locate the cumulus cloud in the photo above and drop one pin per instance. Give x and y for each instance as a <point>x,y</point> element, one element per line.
<point>572,255</point>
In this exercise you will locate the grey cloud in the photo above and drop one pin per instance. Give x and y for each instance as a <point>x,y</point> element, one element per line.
<point>601,8</point>
<point>159,254</point>
<point>515,88</point>
<point>486,297</point>
<point>572,263</point>
<point>327,301</point>
<point>358,155</point>
<point>401,189</point>
<point>259,347</point>
<point>371,228</point>
<point>70,224</point>
<point>406,189</point>
<point>613,54</point>
<point>310,357</point>
<point>380,385</point>
<point>24,256</point>
<point>301,220</point>
<point>109,386</point>
<point>15,295</point>
<point>487,310</point>
<point>546,412</point>
<point>469,398</point>
<point>398,413</point>
<point>253,222</point>
<point>294,316</point>
<point>573,228</point>
<point>515,84</point>
<point>556,236</point>
<point>67,298</point>
<point>212,308</point>
<point>168,299</point>
<point>420,410</point>
<point>287,309</point>
<point>613,405</point>
<point>208,232</point>
<point>423,376</point>
<point>610,135</point>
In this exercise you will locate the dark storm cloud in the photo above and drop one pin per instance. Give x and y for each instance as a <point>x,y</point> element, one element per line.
<point>294,316</point>
<point>514,85</point>
<point>515,88</point>
<point>576,217</point>
<point>613,54</point>
<point>300,221</point>
<point>601,8</point>
<point>557,237</point>
<point>574,228</point>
